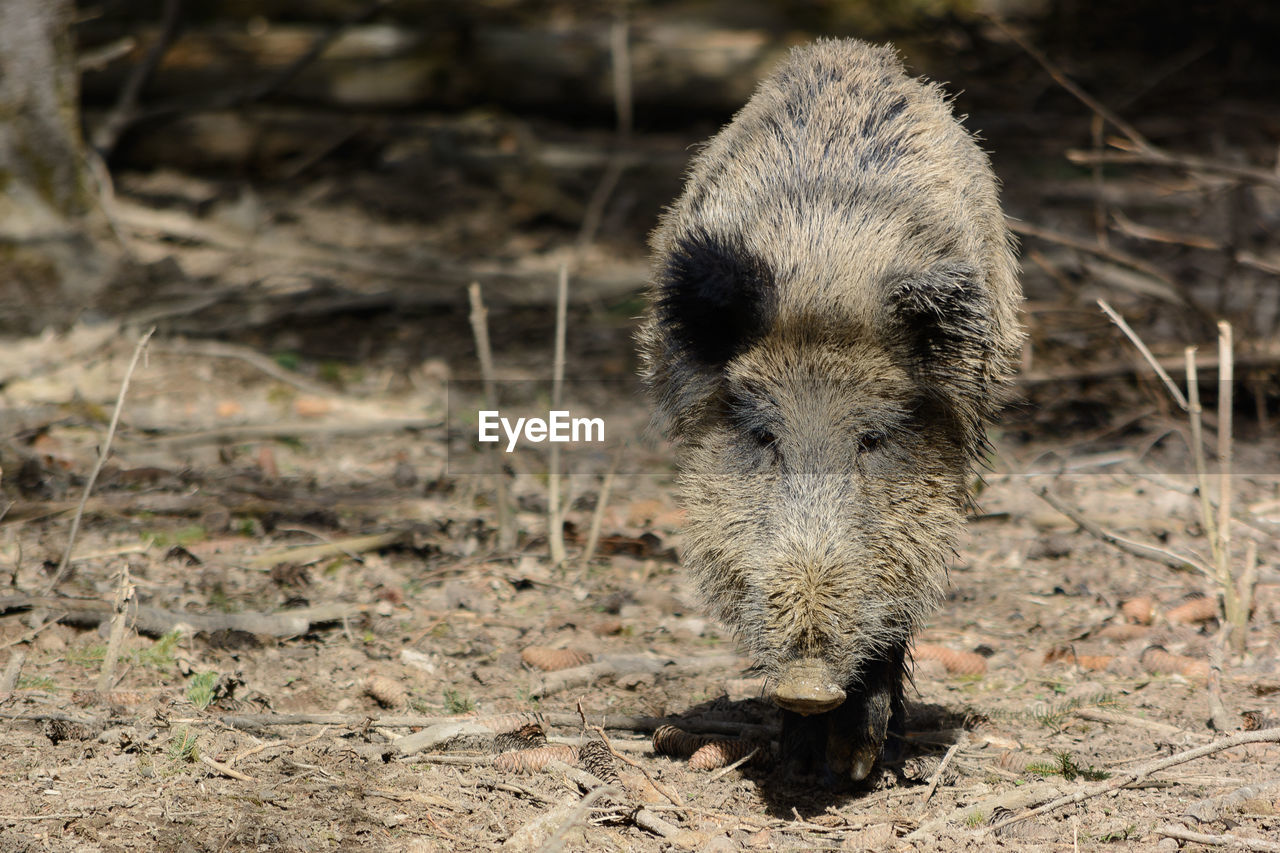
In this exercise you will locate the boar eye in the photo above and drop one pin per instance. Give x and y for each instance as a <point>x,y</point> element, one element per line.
<point>870,442</point>
<point>763,437</point>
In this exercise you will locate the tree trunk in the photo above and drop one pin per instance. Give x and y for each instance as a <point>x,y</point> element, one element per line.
<point>56,250</point>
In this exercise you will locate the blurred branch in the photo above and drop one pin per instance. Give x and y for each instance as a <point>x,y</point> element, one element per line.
<point>107,134</point>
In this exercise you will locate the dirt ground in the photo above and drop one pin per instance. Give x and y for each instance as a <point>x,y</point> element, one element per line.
<point>323,731</point>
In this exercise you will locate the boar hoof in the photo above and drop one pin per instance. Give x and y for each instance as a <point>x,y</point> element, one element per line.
<point>807,687</point>
<point>863,761</point>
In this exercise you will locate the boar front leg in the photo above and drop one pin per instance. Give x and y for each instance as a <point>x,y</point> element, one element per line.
<point>846,742</point>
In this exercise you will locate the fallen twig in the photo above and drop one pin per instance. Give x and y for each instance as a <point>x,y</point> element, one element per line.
<point>1225,840</point>
<point>230,772</point>
<point>101,460</point>
<point>1187,162</point>
<point>311,553</point>
<point>287,430</point>
<point>937,774</point>
<point>1138,774</point>
<point>1174,390</point>
<point>156,622</point>
<point>264,364</point>
<point>1138,549</point>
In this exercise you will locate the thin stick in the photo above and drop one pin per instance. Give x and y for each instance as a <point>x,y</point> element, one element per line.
<point>1148,552</point>
<point>555,512</point>
<point>1174,390</point>
<point>597,517</point>
<point>480,331</point>
<point>119,621</point>
<point>125,111</point>
<point>724,771</point>
<point>1189,162</point>
<point>1096,127</point>
<point>230,772</point>
<point>1230,593</point>
<point>937,774</point>
<point>1080,94</point>
<point>102,458</point>
<point>1194,412</point>
<point>620,60</point>
<point>1226,840</point>
<point>1140,773</point>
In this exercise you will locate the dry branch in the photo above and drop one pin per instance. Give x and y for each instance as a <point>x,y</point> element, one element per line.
<point>1226,840</point>
<point>155,622</point>
<point>311,553</point>
<point>1138,549</point>
<point>1125,779</point>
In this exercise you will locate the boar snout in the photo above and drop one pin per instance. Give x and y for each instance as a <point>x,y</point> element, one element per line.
<point>808,687</point>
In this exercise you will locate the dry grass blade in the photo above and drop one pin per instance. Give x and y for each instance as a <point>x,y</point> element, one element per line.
<point>1174,390</point>
<point>101,460</point>
<point>479,319</point>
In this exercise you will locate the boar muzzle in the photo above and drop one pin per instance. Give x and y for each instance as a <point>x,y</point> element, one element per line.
<point>807,687</point>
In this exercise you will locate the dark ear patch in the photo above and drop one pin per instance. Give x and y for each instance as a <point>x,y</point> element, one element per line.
<point>714,297</point>
<point>943,317</point>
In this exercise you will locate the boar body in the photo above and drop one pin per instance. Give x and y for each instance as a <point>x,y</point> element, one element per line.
<point>832,319</point>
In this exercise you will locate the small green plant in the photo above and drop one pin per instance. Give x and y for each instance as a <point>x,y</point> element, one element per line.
<point>183,745</point>
<point>456,703</point>
<point>974,819</point>
<point>188,535</point>
<point>36,682</point>
<point>1065,765</point>
<point>288,360</point>
<point>160,654</point>
<point>200,689</point>
<point>87,655</point>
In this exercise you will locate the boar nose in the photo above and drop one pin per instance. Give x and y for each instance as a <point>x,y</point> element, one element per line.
<point>806,687</point>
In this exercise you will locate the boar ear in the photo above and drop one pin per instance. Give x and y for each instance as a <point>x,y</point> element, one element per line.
<point>943,318</point>
<point>714,297</point>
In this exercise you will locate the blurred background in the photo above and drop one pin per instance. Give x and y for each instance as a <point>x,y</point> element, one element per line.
<point>325,177</point>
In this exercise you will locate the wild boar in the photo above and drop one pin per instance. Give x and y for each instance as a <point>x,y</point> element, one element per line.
<point>832,322</point>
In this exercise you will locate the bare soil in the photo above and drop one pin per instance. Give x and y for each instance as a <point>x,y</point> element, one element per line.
<point>274,737</point>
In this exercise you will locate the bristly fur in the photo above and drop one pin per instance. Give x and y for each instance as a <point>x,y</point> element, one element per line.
<point>833,317</point>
